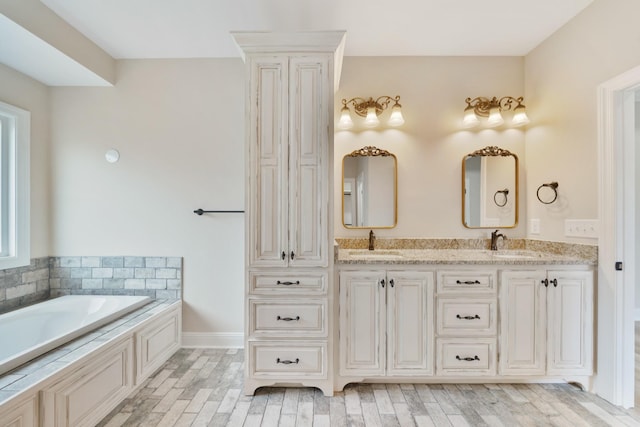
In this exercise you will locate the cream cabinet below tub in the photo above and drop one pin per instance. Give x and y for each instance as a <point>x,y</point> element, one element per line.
<point>22,412</point>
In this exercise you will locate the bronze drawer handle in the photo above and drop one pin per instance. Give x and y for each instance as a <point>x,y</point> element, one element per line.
<point>467,359</point>
<point>288,362</point>
<point>297,282</point>
<point>468,282</point>
<point>467,317</point>
<point>288,319</point>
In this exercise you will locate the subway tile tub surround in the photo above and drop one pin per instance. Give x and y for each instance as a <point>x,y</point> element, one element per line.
<point>45,277</point>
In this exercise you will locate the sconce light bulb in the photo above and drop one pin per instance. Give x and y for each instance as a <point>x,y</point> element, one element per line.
<point>495,118</point>
<point>372,118</point>
<point>520,117</point>
<point>396,118</point>
<point>345,119</point>
<point>470,119</point>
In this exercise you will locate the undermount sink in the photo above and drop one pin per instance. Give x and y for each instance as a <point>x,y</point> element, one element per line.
<point>514,255</point>
<point>367,254</point>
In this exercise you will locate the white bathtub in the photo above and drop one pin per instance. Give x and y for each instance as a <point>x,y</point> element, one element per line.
<point>29,332</point>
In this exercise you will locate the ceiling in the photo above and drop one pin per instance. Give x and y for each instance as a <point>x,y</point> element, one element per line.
<point>200,28</point>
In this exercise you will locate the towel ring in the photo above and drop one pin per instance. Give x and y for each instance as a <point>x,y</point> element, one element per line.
<point>505,192</point>
<point>551,185</point>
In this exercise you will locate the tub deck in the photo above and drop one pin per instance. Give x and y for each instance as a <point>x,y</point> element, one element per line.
<point>39,369</point>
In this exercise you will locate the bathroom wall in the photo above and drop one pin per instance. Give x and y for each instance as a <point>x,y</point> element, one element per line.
<point>562,75</point>
<point>431,144</point>
<point>23,92</point>
<point>179,128</point>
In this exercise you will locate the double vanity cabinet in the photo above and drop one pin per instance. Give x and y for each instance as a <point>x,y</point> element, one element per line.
<point>439,321</point>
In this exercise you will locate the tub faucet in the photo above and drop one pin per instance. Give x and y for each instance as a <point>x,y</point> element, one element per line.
<point>494,240</point>
<point>372,239</point>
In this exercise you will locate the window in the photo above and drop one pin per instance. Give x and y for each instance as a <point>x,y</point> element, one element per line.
<point>14,186</point>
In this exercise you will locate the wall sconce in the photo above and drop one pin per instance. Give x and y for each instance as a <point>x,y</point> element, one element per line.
<point>370,109</point>
<point>492,109</point>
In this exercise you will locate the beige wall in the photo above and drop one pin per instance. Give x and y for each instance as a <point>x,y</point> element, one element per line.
<point>178,125</point>
<point>23,92</point>
<point>562,75</point>
<point>431,144</point>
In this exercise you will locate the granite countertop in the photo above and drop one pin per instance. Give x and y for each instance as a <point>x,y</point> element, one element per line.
<point>458,256</point>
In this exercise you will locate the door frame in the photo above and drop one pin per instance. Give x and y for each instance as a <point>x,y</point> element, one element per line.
<point>615,379</point>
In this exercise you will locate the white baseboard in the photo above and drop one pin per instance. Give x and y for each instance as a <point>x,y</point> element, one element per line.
<point>637,315</point>
<point>213,340</point>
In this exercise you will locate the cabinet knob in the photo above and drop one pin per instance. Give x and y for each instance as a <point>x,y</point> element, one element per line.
<point>283,255</point>
<point>292,255</point>
<point>392,283</point>
<point>555,283</point>
<point>545,282</point>
<point>382,282</point>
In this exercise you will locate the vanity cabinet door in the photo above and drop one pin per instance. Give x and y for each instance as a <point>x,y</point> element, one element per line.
<point>267,204</point>
<point>570,317</point>
<point>410,321</point>
<point>362,323</point>
<point>523,323</point>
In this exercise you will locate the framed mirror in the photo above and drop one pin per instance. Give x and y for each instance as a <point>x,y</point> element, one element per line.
<point>369,189</point>
<point>490,189</point>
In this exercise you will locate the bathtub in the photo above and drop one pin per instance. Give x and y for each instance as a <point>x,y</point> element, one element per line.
<point>29,332</point>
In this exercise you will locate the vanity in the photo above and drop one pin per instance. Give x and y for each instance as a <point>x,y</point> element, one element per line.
<point>464,315</point>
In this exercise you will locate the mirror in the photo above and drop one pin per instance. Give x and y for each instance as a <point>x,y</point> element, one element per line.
<point>369,189</point>
<point>490,189</point>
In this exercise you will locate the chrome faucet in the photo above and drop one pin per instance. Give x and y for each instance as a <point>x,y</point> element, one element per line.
<point>494,240</point>
<point>372,239</point>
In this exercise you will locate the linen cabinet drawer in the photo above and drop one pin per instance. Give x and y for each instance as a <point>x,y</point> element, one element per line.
<point>269,283</point>
<point>461,316</point>
<point>275,317</point>
<point>465,282</point>
<point>288,360</point>
<point>466,356</point>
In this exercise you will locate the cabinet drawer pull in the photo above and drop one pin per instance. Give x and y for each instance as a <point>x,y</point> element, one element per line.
<point>288,362</point>
<point>467,317</point>
<point>468,282</point>
<point>297,282</point>
<point>555,282</point>
<point>468,359</point>
<point>288,319</point>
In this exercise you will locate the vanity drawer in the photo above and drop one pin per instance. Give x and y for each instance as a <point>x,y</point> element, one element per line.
<point>288,360</point>
<point>457,316</point>
<point>465,282</point>
<point>270,283</point>
<point>269,317</point>
<point>466,356</point>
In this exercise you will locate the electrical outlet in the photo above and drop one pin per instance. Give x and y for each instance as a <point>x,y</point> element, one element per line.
<point>587,228</point>
<point>534,226</point>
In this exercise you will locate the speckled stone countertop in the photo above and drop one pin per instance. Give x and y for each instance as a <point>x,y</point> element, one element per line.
<point>41,368</point>
<point>461,251</point>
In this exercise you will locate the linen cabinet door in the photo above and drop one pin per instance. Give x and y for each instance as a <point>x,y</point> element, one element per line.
<point>362,323</point>
<point>523,322</point>
<point>570,331</point>
<point>309,180</point>
<point>268,152</point>
<point>410,339</point>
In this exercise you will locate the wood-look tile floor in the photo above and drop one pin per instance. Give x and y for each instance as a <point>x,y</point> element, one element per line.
<point>199,387</point>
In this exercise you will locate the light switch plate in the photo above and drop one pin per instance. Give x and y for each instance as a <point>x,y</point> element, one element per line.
<point>581,228</point>
<point>534,226</point>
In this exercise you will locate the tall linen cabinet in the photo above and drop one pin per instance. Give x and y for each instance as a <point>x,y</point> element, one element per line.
<point>290,82</point>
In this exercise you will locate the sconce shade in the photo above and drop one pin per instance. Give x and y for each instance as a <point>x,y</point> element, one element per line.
<point>495,118</point>
<point>345,119</point>
<point>396,118</point>
<point>370,109</point>
<point>520,117</point>
<point>470,119</point>
<point>372,118</point>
